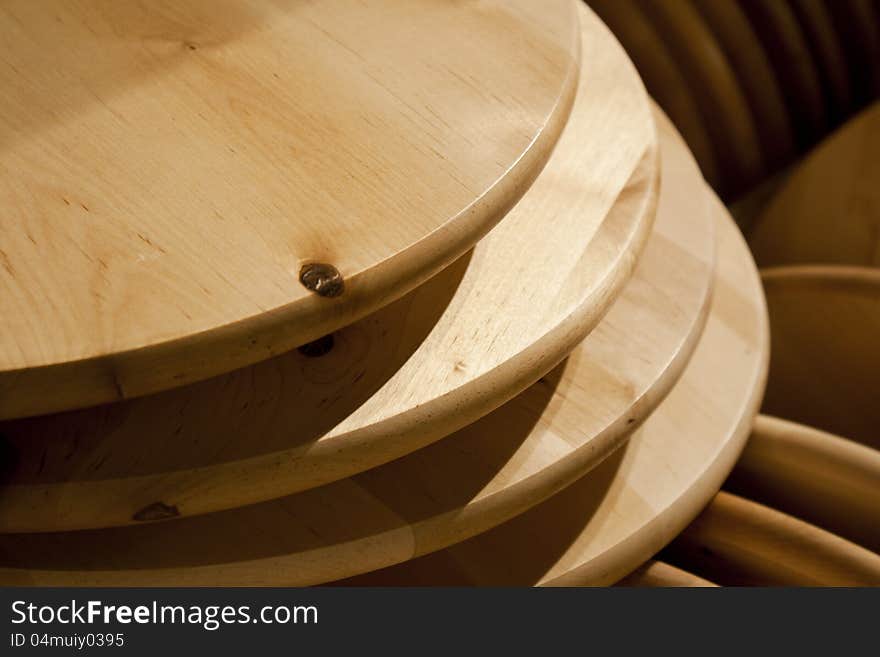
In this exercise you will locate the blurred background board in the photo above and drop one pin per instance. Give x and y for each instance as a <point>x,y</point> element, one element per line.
<point>825,359</point>
<point>827,480</point>
<point>738,542</point>
<point>828,210</point>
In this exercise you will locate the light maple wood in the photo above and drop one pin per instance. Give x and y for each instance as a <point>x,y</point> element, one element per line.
<point>829,481</point>
<point>738,542</point>
<point>713,84</point>
<point>663,78</point>
<point>494,469</point>
<point>747,58</point>
<point>163,188</point>
<point>450,352</point>
<point>786,47</point>
<point>828,211</point>
<point>659,574</point>
<point>825,322</point>
<point>612,520</point>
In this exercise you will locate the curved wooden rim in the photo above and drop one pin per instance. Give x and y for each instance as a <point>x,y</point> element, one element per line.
<point>739,542</point>
<point>824,369</point>
<point>831,274</point>
<point>824,479</point>
<point>661,574</point>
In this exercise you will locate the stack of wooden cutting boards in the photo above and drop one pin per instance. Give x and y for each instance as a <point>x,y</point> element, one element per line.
<point>388,293</point>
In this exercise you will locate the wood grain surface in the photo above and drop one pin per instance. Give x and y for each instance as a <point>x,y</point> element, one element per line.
<point>736,37</point>
<point>824,370</point>
<point>654,574</point>
<point>447,354</point>
<point>725,110</point>
<point>663,78</point>
<point>828,211</point>
<point>611,521</point>
<point>829,481</point>
<point>171,170</point>
<point>737,542</point>
<point>492,470</point>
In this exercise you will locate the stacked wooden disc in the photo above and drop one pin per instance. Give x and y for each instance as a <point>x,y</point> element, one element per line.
<point>802,506</point>
<point>287,301</point>
<point>751,83</point>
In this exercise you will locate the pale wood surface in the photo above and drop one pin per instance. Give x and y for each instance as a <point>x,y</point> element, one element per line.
<point>747,57</point>
<point>786,47</point>
<point>825,323</point>
<point>829,481</point>
<point>738,542</point>
<point>713,84</point>
<point>445,355</point>
<point>659,574</point>
<point>620,514</point>
<point>828,211</point>
<point>663,78</point>
<point>168,168</point>
<point>498,467</point>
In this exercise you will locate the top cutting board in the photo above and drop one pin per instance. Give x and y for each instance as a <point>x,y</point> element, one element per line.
<point>189,187</point>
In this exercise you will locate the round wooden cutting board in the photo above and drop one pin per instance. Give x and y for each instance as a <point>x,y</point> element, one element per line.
<point>500,466</point>
<point>465,342</point>
<point>616,517</point>
<point>208,183</point>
